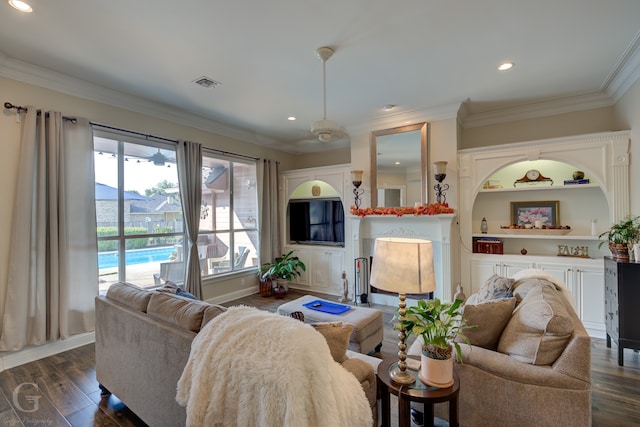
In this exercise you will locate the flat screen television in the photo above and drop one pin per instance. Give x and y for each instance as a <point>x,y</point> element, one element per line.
<point>316,222</point>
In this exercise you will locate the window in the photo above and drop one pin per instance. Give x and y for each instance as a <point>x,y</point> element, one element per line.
<point>138,211</point>
<point>228,235</point>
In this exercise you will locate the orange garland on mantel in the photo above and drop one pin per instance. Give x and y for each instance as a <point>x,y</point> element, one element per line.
<point>431,209</point>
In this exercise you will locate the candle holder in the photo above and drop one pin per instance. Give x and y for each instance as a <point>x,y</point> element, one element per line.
<point>440,173</point>
<point>356,180</point>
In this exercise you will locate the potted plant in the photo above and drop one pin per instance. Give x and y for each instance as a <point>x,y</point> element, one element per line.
<point>437,323</point>
<point>284,269</point>
<point>620,236</point>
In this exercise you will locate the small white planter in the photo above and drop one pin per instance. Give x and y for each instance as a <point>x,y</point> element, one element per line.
<point>435,372</point>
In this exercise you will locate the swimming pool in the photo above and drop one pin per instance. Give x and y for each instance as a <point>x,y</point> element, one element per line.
<point>135,256</point>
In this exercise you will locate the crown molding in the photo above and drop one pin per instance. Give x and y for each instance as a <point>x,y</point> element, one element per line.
<point>534,110</point>
<point>626,71</point>
<point>401,118</point>
<point>53,80</point>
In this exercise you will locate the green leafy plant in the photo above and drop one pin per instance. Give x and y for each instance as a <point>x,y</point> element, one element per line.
<point>438,324</point>
<point>626,231</point>
<point>286,267</point>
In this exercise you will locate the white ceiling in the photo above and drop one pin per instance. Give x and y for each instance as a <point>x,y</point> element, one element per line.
<point>425,56</point>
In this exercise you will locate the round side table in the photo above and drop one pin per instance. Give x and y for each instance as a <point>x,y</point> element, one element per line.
<point>417,392</point>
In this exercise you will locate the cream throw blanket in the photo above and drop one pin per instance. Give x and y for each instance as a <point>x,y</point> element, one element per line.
<point>249,367</point>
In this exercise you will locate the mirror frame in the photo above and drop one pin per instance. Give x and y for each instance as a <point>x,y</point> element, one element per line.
<point>424,160</point>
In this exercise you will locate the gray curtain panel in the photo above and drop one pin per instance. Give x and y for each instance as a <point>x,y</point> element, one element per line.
<point>189,159</point>
<point>53,266</point>
<point>269,206</point>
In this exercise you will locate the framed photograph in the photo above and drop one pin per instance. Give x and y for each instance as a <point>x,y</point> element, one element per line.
<point>523,213</point>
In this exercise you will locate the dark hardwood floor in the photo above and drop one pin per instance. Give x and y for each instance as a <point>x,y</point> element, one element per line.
<point>61,390</point>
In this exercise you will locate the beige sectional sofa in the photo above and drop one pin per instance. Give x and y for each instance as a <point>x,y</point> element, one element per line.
<point>143,341</point>
<point>528,366</point>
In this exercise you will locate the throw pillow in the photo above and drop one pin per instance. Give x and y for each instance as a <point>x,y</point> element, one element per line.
<point>337,335</point>
<point>494,288</point>
<point>490,317</point>
<point>181,312</point>
<point>185,294</point>
<point>169,287</point>
<point>130,295</point>
<point>539,329</point>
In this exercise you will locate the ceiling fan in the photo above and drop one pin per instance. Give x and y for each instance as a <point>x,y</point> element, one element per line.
<point>158,158</point>
<point>326,130</point>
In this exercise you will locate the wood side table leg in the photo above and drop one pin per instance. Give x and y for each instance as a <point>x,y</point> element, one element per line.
<point>385,399</point>
<point>404,411</point>
<point>453,412</point>
<point>428,415</point>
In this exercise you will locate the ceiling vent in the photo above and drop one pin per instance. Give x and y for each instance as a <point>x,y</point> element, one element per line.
<point>206,82</point>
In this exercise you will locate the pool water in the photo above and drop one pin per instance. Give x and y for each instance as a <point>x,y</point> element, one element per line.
<point>135,256</point>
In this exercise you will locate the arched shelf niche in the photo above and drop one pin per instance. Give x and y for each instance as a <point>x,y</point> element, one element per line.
<point>493,195</point>
<point>603,157</point>
<point>314,189</point>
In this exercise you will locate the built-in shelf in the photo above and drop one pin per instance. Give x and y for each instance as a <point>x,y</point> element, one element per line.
<point>537,236</point>
<point>538,188</point>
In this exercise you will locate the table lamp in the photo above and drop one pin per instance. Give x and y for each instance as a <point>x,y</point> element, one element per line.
<point>404,266</point>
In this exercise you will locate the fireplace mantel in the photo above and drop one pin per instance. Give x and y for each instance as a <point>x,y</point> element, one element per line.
<point>440,229</point>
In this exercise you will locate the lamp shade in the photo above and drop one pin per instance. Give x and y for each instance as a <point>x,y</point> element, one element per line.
<point>403,265</point>
<point>440,167</point>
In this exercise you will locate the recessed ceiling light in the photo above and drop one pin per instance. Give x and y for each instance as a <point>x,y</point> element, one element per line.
<point>505,66</point>
<point>20,5</point>
<point>388,107</point>
<point>291,118</point>
<point>396,163</point>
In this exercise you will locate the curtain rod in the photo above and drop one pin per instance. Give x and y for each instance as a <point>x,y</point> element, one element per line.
<point>18,108</point>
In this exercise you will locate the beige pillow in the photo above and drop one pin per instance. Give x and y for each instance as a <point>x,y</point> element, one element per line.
<point>129,295</point>
<point>490,317</point>
<point>522,287</point>
<point>539,329</point>
<point>183,312</point>
<point>337,335</point>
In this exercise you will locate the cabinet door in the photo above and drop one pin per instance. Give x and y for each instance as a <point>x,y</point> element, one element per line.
<point>508,269</point>
<point>590,281</point>
<point>326,271</point>
<point>562,272</point>
<point>481,270</point>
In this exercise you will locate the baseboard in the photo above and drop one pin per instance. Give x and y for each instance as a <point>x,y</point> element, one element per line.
<point>595,330</point>
<point>241,293</point>
<point>10,360</point>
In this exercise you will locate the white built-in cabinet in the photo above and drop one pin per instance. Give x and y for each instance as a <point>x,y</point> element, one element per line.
<point>604,157</point>
<point>484,266</point>
<point>583,277</point>
<point>325,264</point>
<point>324,268</point>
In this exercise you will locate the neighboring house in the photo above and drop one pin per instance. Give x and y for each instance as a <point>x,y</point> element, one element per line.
<point>157,210</point>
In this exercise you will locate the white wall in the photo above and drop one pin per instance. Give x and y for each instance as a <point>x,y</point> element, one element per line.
<point>627,116</point>
<point>567,124</point>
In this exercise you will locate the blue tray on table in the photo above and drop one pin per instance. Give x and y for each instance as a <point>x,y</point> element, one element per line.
<point>327,307</point>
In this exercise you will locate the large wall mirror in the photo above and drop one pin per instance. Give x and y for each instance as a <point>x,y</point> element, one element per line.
<point>399,161</point>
